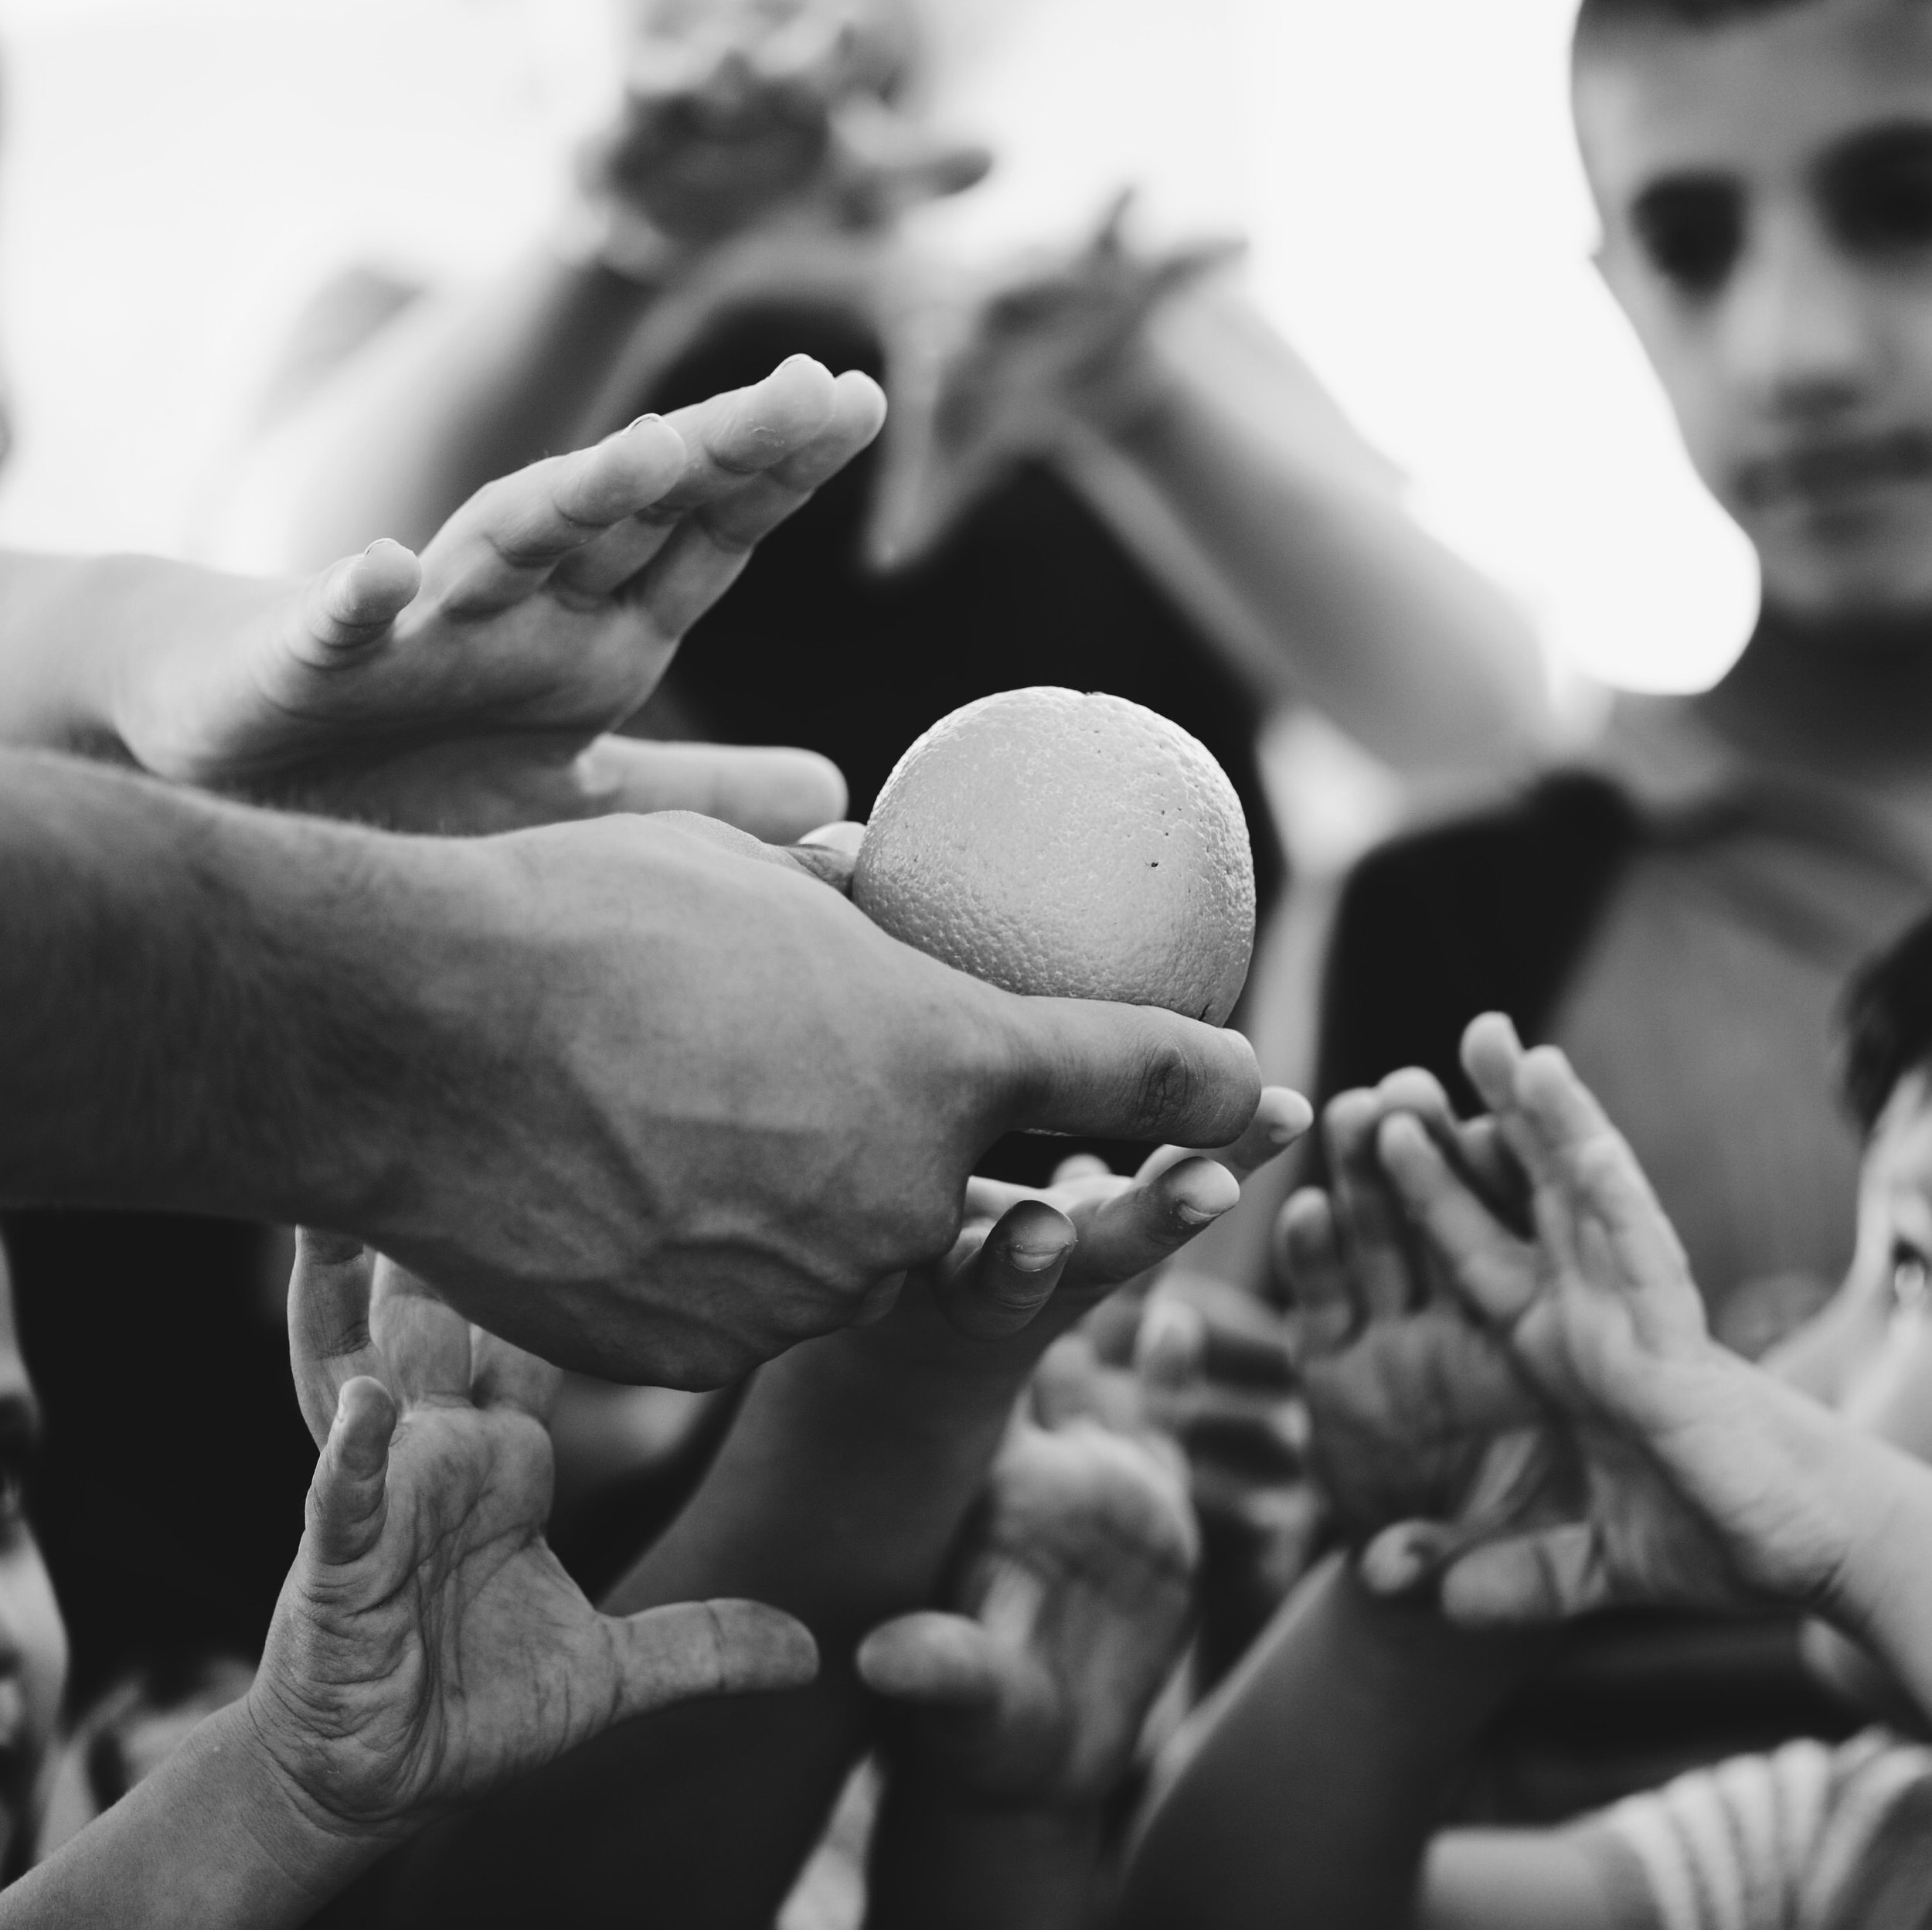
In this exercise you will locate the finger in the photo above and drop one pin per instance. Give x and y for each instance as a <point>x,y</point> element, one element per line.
<point>423,1341</point>
<point>776,795</point>
<point>347,1497</point>
<point>712,543</point>
<point>508,539</point>
<point>1280,1119</point>
<point>329,1338</point>
<point>351,604</point>
<point>694,1649</point>
<point>1085,1068</point>
<point>832,853</point>
<point>504,1376</point>
<point>1081,1166</point>
<point>934,1661</point>
<point>1373,1233</point>
<point>1244,1342</point>
<point>1171,1344</point>
<point>1124,1234</point>
<point>999,1288</point>
<point>1524,1579</point>
<point>1310,1264</point>
<point>1406,1555</point>
<point>1490,1052</point>
<point>1488,1267</point>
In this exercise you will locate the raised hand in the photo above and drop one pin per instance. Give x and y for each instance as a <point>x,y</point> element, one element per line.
<point>472,690</point>
<point>1416,1409</point>
<point>999,376</point>
<point>1067,1615</point>
<point>1700,1481</point>
<point>428,1646</point>
<point>746,115</point>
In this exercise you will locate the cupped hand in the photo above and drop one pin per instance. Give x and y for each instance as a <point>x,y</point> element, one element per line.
<point>474,689</point>
<point>1067,1615</point>
<point>428,1646</point>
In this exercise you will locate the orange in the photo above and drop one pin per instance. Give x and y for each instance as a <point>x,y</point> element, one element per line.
<point>1069,845</point>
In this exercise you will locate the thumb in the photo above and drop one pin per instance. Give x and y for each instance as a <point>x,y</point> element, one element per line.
<point>351,605</point>
<point>1525,1580</point>
<point>349,1497</point>
<point>695,1649</point>
<point>941,1661</point>
<point>1085,1067</point>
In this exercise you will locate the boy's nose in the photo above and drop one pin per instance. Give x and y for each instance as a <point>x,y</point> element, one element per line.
<point>1798,337</point>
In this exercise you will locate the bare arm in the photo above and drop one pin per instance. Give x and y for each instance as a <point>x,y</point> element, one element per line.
<point>1315,1776</point>
<point>1323,586</point>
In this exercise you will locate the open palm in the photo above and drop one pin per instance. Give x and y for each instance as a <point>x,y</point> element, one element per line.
<point>473,689</point>
<point>427,1646</point>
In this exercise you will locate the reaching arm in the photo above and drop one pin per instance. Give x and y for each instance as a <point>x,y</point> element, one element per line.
<point>1313,1781</point>
<point>1333,592</point>
<point>837,1496</point>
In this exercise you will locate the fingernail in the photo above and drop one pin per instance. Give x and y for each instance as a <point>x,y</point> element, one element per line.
<point>637,422</point>
<point>1193,1216</point>
<point>1033,1259</point>
<point>382,543</point>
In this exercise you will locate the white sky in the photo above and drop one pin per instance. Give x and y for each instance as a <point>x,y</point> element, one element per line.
<point>178,174</point>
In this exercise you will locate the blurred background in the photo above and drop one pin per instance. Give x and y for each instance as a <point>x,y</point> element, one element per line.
<point>179,174</point>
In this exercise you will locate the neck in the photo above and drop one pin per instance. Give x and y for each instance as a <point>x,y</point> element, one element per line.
<point>1851,698</point>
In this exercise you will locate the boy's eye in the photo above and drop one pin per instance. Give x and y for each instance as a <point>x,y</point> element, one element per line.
<point>1876,192</point>
<point>1692,231</point>
<point>1909,1282</point>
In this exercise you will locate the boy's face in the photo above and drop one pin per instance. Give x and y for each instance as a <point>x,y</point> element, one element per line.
<point>1766,194</point>
<point>33,1640</point>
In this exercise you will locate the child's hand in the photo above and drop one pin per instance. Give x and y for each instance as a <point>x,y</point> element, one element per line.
<point>730,123</point>
<point>1071,1606</point>
<point>1702,1481</point>
<point>1000,378</point>
<point>427,1646</point>
<point>470,690</point>
<point>1415,1409</point>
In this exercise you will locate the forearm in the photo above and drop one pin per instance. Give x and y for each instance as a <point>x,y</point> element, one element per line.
<point>1312,1794</point>
<point>191,995</point>
<point>211,1841</point>
<point>459,390</point>
<point>1882,1594</point>
<point>939,1865</point>
<point>1352,605</point>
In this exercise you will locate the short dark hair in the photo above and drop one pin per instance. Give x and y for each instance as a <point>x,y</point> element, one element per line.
<point>1886,1022</point>
<point>1595,16</point>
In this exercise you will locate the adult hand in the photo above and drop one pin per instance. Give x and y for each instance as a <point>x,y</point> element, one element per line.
<point>428,1646</point>
<point>472,689</point>
<point>673,1106</point>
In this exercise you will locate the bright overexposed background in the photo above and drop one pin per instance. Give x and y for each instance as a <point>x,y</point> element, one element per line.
<point>179,174</point>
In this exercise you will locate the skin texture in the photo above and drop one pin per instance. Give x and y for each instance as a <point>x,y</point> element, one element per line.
<point>1798,358</point>
<point>840,1496</point>
<point>428,1647</point>
<point>641,1094</point>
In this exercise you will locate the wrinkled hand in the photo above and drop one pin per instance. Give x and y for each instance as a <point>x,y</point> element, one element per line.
<point>998,379</point>
<point>1068,1615</point>
<point>428,1646</point>
<point>1698,1472</point>
<point>472,690</point>
<point>742,116</point>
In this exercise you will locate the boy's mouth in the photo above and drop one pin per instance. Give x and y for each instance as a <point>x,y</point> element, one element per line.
<point>1837,472</point>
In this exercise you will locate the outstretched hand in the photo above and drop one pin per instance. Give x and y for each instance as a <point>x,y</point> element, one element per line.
<point>428,1646</point>
<point>1697,1472</point>
<point>472,689</point>
<point>1068,1615</point>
